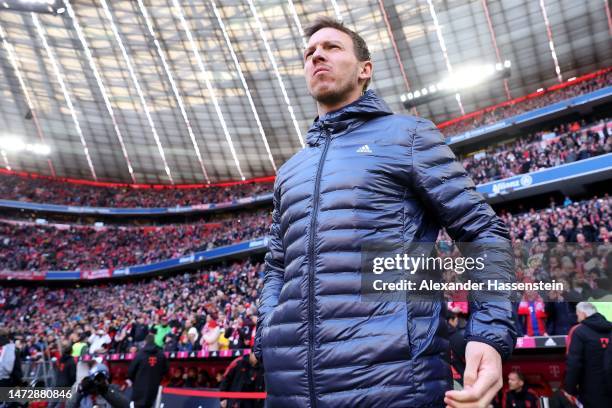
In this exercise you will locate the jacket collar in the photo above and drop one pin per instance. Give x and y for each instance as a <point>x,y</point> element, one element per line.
<point>367,107</point>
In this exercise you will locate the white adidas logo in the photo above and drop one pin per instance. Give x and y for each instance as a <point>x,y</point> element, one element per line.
<point>364,149</point>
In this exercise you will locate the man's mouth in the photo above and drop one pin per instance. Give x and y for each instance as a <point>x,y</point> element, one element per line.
<point>319,70</point>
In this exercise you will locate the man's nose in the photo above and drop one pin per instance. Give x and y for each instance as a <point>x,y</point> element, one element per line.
<point>318,55</point>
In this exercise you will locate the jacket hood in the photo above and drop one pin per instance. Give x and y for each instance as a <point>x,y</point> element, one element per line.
<point>151,348</point>
<point>598,323</point>
<point>367,107</point>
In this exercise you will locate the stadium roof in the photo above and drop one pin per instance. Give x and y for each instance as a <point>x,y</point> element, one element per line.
<point>186,91</point>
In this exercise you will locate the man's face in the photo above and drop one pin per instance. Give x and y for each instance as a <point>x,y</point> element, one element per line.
<point>331,68</point>
<point>514,382</point>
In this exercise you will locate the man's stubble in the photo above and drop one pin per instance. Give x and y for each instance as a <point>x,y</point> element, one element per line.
<point>334,96</point>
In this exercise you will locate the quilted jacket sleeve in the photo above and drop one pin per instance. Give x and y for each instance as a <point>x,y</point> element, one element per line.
<point>446,189</point>
<point>575,365</point>
<point>274,270</point>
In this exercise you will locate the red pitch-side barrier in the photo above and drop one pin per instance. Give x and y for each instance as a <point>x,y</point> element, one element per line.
<point>186,398</point>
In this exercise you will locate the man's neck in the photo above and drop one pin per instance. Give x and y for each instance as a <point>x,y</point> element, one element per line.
<point>324,109</point>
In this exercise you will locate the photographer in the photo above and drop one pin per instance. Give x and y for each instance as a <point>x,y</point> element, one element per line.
<point>96,390</point>
<point>10,362</point>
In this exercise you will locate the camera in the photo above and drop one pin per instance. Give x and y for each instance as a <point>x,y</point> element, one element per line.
<point>96,382</point>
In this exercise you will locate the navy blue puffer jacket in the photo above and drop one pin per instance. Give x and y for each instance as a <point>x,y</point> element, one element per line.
<point>367,174</point>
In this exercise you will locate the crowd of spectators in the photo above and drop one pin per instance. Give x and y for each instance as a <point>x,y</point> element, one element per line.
<point>539,101</point>
<point>213,309</point>
<point>564,144</point>
<point>48,191</point>
<point>579,222</point>
<point>29,246</point>
<point>569,244</point>
<point>26,246</point>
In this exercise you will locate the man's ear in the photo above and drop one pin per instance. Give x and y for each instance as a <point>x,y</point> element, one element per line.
<point>366,70</point>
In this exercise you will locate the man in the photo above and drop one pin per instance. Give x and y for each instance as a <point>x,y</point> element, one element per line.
<point>587,376</point>
<point>146,373</point>
<point>79,344</point>
<point>10,364</point>
<point>161,330</point>
<point>66,367</point>
<point>368,176</point>
<point>96,390</point>
<point>65,371</point>
<point>518,395</point>
<point>244,374</point>
<point>98,341</point>
<point>139,330</point>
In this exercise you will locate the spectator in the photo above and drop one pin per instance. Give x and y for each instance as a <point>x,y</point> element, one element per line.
<point>161,330</point>
<point>80,346</point>
<point>235,335</point>
<point>210,335</point>
<point>586,374</point>
<point>224,343</point>
<point>560,317</point>
<point>532,310</point>
<point>170,342</point>
<point>98,340</point>
<point>146,372</point>
<point>139,330</point>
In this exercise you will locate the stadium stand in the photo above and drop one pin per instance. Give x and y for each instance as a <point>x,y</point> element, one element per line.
<point>544,149</point>
<point>188,302</point>
<point>537,100</point>
<point>28,246</point>
<point>32,188</point>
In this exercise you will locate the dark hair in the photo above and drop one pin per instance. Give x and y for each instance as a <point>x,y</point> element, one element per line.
<point>520,375</point>
<point>361,48</point>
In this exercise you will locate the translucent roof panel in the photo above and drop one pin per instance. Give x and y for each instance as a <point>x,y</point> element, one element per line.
<point>186,91</point>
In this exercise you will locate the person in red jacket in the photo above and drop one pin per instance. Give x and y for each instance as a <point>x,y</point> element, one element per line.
<point>533,313</point>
